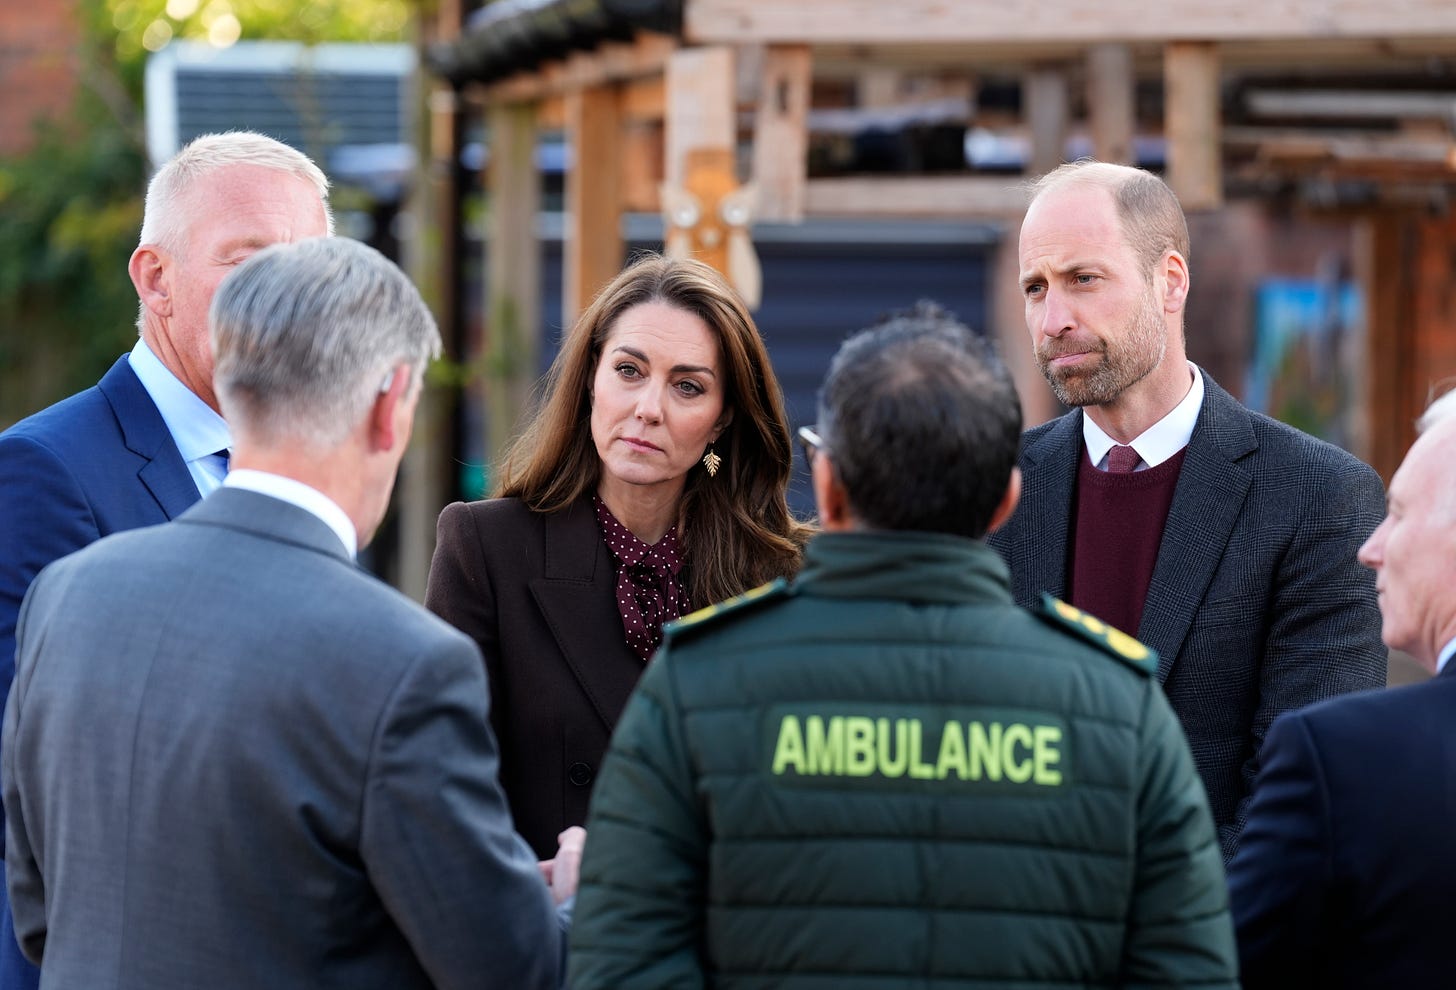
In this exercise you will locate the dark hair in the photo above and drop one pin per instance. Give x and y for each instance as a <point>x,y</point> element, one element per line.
<point>922,424</point>
<point>736,529</point>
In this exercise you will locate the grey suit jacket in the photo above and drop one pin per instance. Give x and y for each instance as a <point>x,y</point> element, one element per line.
<point>234,759</point>
<point>1257,604</point>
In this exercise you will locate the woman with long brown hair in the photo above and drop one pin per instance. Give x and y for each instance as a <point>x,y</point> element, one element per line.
<point>650,482</point>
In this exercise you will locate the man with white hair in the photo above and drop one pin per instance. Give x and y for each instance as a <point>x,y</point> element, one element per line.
<point>148,440</point>
<point>1345,871</point>
<point>232,758</point>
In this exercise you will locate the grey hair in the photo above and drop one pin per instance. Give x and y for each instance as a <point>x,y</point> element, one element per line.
<point>163,222</point>
<point>1439,409</point>
<point>1152,218</point>
<point>306,334</point>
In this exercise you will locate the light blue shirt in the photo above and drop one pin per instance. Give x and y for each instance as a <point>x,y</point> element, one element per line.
<point>309,499</point>
<point>1446,655</point>
<point>196,428</point>
<point>1158,442</point>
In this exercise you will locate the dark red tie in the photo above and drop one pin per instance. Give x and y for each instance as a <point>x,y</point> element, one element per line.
<point>1122,460</point>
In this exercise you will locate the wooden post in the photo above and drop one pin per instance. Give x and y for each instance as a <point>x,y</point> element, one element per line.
<point>1110,102</point>
<point>1008,328</point>
<point>700,107</point>
<point>1044,103</point>
<point>780,136</point>
<point>593,250</point>
<point>1193,122</point>
<point>432,258</point>
<point>513,280</point>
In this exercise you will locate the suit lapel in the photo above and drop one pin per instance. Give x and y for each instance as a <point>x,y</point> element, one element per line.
<point>164,474</point>
<point>1049,480</point>
<point>1206,504</point>
<point>577,596</point>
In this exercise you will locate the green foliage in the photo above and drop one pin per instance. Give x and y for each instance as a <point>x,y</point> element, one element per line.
<point>69,215</point>
<point>70,208</point>
<point>140,26</point>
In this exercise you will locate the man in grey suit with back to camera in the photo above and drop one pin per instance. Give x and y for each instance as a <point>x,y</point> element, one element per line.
<point>232,758</point>
<point>1221,538</point>
<point>148,440</point>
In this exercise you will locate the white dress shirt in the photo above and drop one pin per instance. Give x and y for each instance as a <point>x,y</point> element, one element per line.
<point>293,492</point>
<point>1446,654</point>
<point>1158,442</point>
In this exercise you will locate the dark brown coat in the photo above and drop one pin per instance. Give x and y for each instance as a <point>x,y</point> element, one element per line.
<point>537,593</point>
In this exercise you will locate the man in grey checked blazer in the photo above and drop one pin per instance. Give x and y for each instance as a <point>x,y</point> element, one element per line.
<point>234,759</point>
<point>1250,591</point>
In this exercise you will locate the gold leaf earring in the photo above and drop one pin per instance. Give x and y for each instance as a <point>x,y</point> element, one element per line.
<point>711,460</point>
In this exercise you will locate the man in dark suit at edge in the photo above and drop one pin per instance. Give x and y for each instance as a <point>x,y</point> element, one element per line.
<point>148,440</point>
<point>234,759</point>
<point>1345,872</point>
<point>1221,538</point>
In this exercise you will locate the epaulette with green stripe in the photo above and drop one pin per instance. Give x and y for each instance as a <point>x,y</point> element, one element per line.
<point>738,605</point>
<point>1071,619</point>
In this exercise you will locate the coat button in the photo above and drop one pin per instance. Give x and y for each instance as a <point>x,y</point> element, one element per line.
<point>579,774</point>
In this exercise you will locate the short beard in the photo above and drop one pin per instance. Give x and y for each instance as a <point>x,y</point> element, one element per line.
<point>1122,366</point>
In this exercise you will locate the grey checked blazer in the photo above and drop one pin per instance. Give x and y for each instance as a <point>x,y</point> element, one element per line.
<point>233,759</point>
<point>1257,604</point>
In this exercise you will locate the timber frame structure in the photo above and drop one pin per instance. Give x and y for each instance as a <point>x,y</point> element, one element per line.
<point>1342,107</point>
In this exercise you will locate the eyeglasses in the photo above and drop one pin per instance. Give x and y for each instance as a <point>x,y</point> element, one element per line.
<point>812,443</point>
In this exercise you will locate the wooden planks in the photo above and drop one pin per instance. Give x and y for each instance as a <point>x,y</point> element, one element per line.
<point>870,22</point>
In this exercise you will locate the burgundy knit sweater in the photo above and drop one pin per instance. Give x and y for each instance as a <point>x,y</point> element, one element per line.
<point>1117,525</point>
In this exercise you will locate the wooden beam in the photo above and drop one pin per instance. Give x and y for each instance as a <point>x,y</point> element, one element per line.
<point>646,55</point>
<point>1411,149</point>
<point>641,167</point>
<point>780,137</point>
<point>869,22</point>
<point>1110,102</point>
<point>433,263</point>
<point>1045,103</point>
<point>701,111</point>
<point>593,249</point>
<point>644,100</point>
<point>1192,120</point>
<point>513,276</point>
<point>959,197</point>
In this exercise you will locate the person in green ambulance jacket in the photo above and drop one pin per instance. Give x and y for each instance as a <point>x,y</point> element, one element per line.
<point>885,774</point>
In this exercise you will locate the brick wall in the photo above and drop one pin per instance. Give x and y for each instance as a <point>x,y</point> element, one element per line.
<point>38,73</point>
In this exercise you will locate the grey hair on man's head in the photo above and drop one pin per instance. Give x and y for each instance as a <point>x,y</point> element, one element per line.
<point>163,220</point>
<point>305,336</point>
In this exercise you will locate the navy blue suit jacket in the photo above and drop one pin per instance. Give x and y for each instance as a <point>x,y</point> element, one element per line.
<point>1346,867</point>
<point>96,463</point>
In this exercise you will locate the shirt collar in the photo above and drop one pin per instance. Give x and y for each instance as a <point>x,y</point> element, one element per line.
<point>294,492</point>
<point>195,426</point>
<point>1161,440</point>
<point>1446,654</point>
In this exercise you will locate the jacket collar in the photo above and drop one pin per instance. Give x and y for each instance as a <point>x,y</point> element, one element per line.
<point>1207,503</point>
<point>145,433</point>
<point>271,518</point>
<point>926,567</point>
<point>576,594</point>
